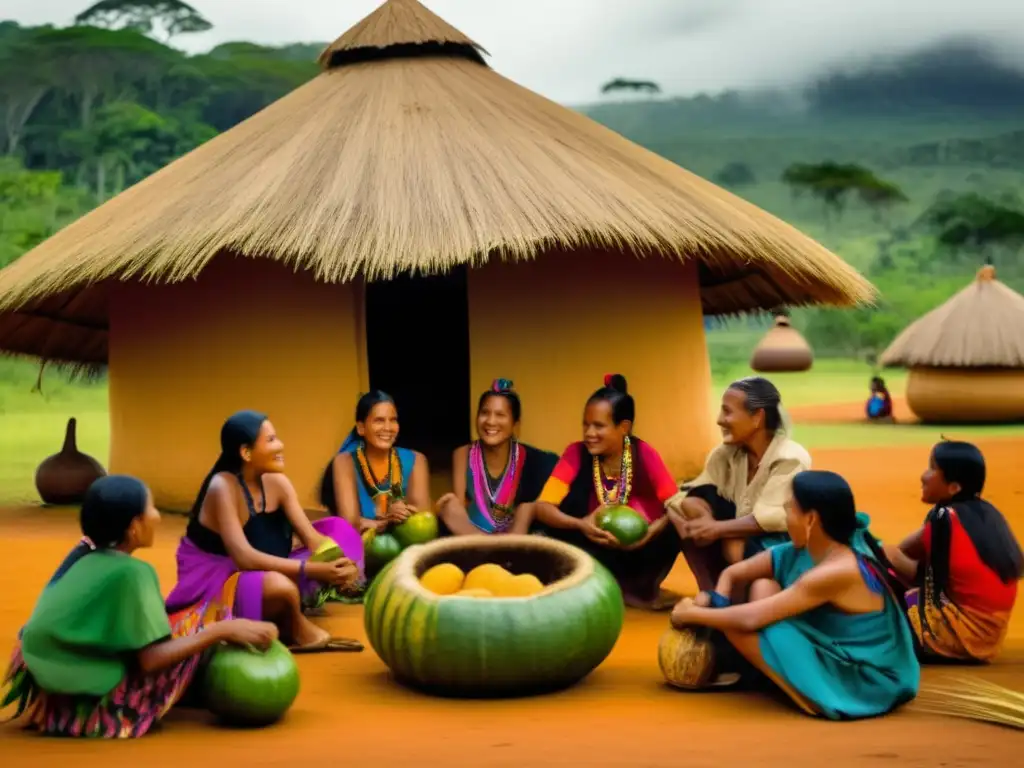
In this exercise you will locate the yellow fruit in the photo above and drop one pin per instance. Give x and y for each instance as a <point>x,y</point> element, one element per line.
<point>443,579</point>
<point>488,576</point>
<point>523,585</point>
<point>474,593</point>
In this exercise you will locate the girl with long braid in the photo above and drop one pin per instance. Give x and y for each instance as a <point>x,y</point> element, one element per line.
<point>964,562</point>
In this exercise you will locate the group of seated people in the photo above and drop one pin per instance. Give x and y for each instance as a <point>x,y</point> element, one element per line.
<point>789,575</point>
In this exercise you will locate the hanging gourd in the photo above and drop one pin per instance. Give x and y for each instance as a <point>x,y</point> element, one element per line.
<point>65,477</point>
<point>782,350</point>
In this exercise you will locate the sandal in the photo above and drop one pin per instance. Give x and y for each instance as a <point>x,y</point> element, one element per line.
<point>328,645</point>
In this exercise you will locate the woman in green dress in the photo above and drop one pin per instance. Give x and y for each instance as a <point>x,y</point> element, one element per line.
<point>822,622</point>
<point>100,657</point>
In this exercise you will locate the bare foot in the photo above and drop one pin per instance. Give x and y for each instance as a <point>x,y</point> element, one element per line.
<point>308,633</point>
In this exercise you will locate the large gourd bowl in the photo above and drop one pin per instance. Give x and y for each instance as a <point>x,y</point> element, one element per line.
<point>463,646</point>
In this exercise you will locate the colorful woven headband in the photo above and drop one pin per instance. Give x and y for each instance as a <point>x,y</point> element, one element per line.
<point>501,385</point>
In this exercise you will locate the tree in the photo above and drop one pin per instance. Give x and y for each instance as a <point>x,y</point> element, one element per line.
<point>145,16</point>
<point>243,78</point>
<point>623,84</point>
<point>834,183</point>
<point>29,207</point>
<point>735,175</point>
<point>91,63</point>
<point>26,76</point>
<point>975,222</point>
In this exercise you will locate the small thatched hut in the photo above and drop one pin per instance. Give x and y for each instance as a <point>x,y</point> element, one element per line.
<point>966,357</point>
<point>782,350</point>
<point>410,220</point>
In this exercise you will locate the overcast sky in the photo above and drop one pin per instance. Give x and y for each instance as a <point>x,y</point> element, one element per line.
<point>565,49</point>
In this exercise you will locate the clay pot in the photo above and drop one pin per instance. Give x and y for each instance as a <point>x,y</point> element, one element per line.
<point>782,350</point>
<point>65,477</point>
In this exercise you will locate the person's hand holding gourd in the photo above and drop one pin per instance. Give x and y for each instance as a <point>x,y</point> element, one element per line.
<point>337,573</point>
<point>589,528</point>
<point>399,511</point>
<point>259,634</point>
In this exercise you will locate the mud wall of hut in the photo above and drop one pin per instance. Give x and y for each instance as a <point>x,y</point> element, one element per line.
<point>248,333</point>
<point>968,395</point>
<point>557,325</point>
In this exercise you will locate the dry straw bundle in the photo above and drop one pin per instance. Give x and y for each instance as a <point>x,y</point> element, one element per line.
<point>973,699</point>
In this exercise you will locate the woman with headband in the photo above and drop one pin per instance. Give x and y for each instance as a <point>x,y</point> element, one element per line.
<point>495,478</point>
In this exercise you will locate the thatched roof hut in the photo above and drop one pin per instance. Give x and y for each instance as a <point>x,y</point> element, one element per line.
<point>966,357</point>
<point>281,266</point>
<point>783,349</point>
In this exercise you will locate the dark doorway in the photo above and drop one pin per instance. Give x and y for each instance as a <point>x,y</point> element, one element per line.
<point>417,339</point>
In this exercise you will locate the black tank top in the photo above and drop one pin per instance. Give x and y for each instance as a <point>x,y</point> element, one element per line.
<point>267,532</point>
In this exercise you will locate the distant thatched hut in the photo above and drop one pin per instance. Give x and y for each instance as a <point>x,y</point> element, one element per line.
<point>782,350</point>
<point>966,357</point>
<point>413,220</point>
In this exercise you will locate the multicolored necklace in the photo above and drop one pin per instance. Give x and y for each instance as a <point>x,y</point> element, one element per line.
<point>620,493</point>
<point>499,504</point>
<point>391,485</point>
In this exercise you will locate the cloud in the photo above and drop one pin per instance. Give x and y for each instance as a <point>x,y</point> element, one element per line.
<point>565,49</point>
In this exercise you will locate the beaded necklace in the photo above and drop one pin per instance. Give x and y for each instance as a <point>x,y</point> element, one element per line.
<point>499,503</point>
<point>620,493</point>
<point>391,485</point>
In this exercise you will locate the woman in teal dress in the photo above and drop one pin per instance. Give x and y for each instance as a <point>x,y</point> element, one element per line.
<point>496,476</point>
<point>371,482</point>
<point>100,657</point>
<point>822,622</point>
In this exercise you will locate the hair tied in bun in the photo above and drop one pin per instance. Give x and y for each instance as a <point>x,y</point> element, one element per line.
<point>502,385</point>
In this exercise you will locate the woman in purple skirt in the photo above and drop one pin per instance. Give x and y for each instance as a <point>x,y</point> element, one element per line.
<point>240,534</point>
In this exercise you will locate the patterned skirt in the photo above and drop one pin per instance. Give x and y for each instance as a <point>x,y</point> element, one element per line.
<point>945,630</point>
<point>133,707</point>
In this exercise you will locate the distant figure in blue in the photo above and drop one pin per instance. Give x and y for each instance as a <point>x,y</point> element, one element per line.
<point>879,405</point>
<point>822,622</point>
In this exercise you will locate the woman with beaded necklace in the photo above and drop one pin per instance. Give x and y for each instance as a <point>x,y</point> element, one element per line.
<point>371,482</point>
<point>495,478</point>
<point>609,467</point>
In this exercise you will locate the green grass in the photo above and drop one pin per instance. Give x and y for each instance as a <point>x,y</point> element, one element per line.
<point>819,436</point>
<point>32,424</point>
<point>828,381</point>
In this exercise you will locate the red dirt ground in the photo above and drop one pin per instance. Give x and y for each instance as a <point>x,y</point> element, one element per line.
<point>622,715</point>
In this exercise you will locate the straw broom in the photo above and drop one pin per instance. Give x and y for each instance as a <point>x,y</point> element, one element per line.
<point>973,699</point>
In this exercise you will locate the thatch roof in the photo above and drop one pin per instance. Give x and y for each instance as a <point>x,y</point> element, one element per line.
<point>982,326</point>
<point>407,153</point>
